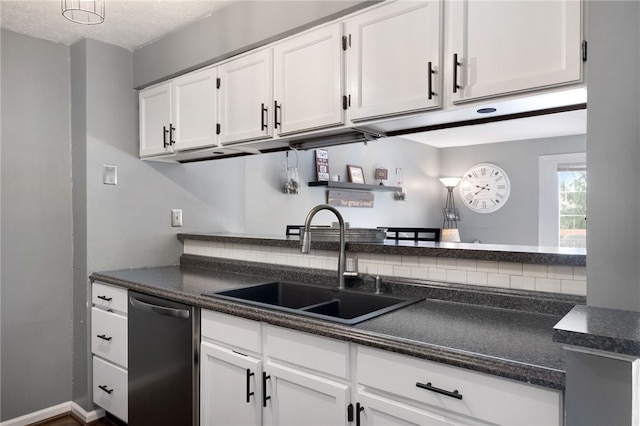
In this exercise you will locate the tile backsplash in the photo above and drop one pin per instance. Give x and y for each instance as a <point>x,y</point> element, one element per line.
<point>522,276</point>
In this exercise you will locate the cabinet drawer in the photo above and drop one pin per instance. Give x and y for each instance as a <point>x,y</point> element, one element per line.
<point>109,336</point>
<point>485,397</point>
<point>322,354</point>
<point>235,331</point>
<point>110,388</point>
<point>109,297</point>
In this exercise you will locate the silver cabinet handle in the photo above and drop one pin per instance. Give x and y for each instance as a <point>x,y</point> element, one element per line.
<point>160,310</point>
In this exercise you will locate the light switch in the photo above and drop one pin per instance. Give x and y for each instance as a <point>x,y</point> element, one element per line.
<point>109,174</point>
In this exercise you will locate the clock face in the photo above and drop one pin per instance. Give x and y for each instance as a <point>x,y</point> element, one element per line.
<point>485,188</point>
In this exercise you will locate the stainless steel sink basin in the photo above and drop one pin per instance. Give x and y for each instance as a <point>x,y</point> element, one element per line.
<point>343,306</point>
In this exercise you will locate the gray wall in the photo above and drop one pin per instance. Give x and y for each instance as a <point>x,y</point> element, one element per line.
<point>126,225</point>
<point>613,155</point>
<point>36,226</point>
<point>517,221</point>
<point>234,29</point>
<point>269,210</point>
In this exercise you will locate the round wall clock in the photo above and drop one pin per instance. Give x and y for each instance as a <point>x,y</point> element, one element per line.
<point>485,188</point>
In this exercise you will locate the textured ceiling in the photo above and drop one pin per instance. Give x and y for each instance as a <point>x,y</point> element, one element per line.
<point>130,24</point>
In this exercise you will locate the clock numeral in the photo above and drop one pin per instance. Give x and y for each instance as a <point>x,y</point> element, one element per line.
<point>502,186</point>
<point>483,171</point>
<point>499,195</point>
<point>484,204</point>
<point>497,201</point>
<point>474,173</point>
<point>500,178</point>
<point>469,196</point>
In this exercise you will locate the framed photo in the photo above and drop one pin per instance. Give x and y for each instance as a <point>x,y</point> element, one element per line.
<point>381,174</point>
<point>356,175</point>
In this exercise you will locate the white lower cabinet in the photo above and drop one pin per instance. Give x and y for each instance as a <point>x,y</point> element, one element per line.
<point>254,373</point>
<point>231,387</point>
<point>109,349</point>
<point>110,388</point>
<point>297,398</point>
<point>450,395</point>
<point>374,410</point>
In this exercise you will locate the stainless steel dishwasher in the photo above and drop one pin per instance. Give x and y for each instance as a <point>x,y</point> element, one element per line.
<point>163,361</point>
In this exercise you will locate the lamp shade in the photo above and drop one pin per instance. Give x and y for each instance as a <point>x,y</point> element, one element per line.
<point>88,12</point>
<point>450,236</point>
<point>450,181</point>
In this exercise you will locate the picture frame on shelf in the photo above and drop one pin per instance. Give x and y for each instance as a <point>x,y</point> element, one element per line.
<point>355,173</point>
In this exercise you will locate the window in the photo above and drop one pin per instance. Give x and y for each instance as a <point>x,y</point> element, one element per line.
<point>563,200</point>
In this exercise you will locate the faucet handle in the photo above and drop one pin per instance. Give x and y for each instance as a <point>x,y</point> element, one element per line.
<point>355,272</point>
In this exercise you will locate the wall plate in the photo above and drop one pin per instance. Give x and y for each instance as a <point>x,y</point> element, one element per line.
<point>109,174</point>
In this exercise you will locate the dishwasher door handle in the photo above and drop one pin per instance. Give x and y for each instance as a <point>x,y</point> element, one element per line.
<point>160,310</point>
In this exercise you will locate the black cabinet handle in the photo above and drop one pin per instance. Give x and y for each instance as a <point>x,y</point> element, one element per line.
<point>276,108</point>
<point>263,117</point>
<point>106,389</point>
<point>264,389</point>
<point>105,298</point>
<point>455,394</point>
<point>171,130</point>
<point>164,136</point>
<point>249,394</point>
<point>104,337</point>
<point>430,81</point>
<point>456,64</point>
<point>359,409</point>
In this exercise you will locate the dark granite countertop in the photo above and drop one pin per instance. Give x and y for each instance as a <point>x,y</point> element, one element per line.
<point>602,329</point>
<point>510,343</point>
<point>495,252</point>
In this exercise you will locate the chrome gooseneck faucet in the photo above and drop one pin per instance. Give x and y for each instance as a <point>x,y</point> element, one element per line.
<point>306,239</point>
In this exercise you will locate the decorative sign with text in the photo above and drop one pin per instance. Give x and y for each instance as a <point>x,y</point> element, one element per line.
<point>322,165</point>
<point>349,198</point>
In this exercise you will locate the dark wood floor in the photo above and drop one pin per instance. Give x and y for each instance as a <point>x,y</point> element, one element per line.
<point>69,420</point>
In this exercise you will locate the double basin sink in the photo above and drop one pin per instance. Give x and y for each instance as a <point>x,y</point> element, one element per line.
<point>328,303</point>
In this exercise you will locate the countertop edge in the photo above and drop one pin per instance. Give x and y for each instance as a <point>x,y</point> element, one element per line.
<point>600,329</point>
<point>522,254</point>
<point>514,370</point>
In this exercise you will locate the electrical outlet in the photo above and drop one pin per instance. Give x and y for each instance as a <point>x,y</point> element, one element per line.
<point>176,217</point>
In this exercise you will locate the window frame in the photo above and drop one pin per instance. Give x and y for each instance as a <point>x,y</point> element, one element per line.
<point>549,195</point>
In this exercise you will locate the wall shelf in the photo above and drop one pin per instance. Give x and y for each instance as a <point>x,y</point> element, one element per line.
<point>355,186</point>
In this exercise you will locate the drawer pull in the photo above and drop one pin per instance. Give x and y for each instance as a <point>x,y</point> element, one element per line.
<point>249,393</point>
<point>105,298</point>
<point>265,398</point>
<point>106,389</point>
<point>104,337</point>
<point>455,394</point>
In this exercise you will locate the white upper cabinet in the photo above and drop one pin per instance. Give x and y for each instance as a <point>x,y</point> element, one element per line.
<point>246,98</point>
<point>308,71</point>
<point>393,59</point>
<point>504,47</point>
<point>195,109</point>
<point>155,119</point>
<point>179,114</point>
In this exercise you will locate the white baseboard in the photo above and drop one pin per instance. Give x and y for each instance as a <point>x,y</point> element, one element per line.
<point>56,410</point>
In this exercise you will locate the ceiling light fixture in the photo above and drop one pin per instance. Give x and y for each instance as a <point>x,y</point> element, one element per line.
<point>87,12</point>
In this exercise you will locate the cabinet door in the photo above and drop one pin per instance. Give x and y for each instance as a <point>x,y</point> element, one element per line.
<point>300,399</point>
<point>155,117</point>
<point>508,47</point>
<point>308,81</point>
<point>380,411</point>
<point>195,110</point>
<point>230,387</point>
<point>394,59</point>
<point>246,95</point>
